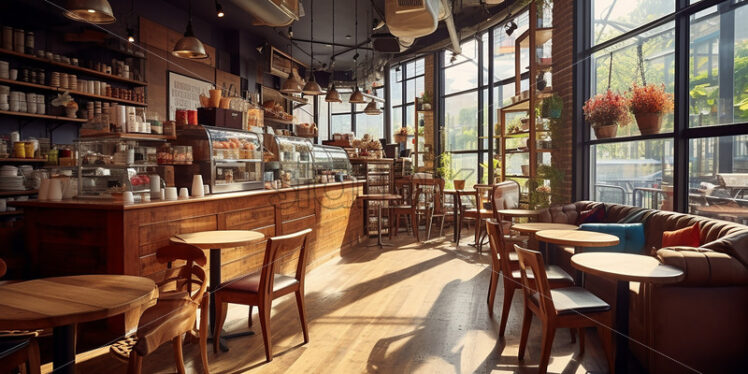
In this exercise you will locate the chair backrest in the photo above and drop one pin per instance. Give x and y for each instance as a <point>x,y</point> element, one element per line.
<point>404,187</point>
<point>288,245</point>
<point>536,289</point>
<point>183,276</point>
<point>482,195</point>
<point>505,195</point>
<point>499,253</point>
<point>3,268</point>
<point>431,192</point>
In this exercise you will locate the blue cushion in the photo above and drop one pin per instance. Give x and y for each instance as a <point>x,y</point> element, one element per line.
<point>631,236</point>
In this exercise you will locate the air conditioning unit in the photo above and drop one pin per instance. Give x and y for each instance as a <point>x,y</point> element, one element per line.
<point>271,12</point>
<point>407,6</point>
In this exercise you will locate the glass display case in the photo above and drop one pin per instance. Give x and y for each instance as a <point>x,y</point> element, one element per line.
<point>109,166</point>
<point>331,164</point>
<point>229,160</point>
<point>295,164</point>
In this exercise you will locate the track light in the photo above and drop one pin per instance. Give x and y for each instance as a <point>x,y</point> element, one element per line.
<point>355,57</point>
<point>378,24</point>
<point>219,10</point>
<point>290,32</point>
<point>510,27</point>
<point>453,59</point>
<point>130,35</point>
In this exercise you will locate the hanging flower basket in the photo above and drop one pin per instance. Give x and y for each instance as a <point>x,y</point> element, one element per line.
<point>401,138</point>
<point>606,112</point>
<point>649,103</point>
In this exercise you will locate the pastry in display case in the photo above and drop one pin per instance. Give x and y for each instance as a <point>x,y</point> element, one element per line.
<point>229,160</point>
<point>108,167</point>
<point>331,164</point>
<point>295,163</point>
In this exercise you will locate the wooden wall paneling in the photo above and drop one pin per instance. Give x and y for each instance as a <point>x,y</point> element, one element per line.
<point>155,72</point>
<point>153,34</point>
<point>249,219</point>
<point>227,80</point>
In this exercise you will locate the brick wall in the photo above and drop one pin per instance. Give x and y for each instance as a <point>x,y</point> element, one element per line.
<point>428,86</point>
<point>563,59</point>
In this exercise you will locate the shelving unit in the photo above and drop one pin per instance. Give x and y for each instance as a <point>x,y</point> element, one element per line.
<point>379,175</point>
<point>519,148</point>
<point>42,116</point>
<point>423,149</point>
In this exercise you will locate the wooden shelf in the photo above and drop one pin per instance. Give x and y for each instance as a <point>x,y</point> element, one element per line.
<point>71,67</point>
<point>130,136</point>
<point>42,116</point>
<point>72,92</point>
<point>542,35</point>
<point>516,151</point>
<point>23,160</point>
<point>18,193</point>
<point>278,120</point>
<point>521,105</point>
<point>13,213</point>
<point>516,176</point>
<point>27,84</point>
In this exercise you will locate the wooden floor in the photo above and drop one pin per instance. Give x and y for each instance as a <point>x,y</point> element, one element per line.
<point>414,308</point>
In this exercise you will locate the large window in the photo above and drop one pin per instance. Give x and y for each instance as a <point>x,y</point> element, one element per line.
<point>406,83</point>
<point>698,161</point>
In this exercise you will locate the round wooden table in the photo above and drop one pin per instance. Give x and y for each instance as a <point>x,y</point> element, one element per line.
<point>519,212</point>
<point>625,268</point>
<point>533,227</point>
<point>575,238</point>
<point>215,241</point>
<point>62,302</point>
<point>379,197</point>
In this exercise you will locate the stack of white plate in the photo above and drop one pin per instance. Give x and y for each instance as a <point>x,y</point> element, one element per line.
<point>12,183</point>
<point>8,171</point>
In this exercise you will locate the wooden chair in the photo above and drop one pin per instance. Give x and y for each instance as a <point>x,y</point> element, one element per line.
<point>479,213</point>
<point>18,349</point>
<point>505,260</point>
<point>181,293</point>
<point>405,207</point>
<point>505,195</point>
<point>572,307</point>
<point>262,288</point>
<point>429,200</point>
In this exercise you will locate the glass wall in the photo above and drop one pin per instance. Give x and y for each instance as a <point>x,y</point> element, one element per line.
<point>406,83</point>
<point>642,169</point>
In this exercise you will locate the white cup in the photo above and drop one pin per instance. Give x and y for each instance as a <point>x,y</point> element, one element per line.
<point>13,74</point>
<point>183,193</point>
<point>197,186</point>
<point>44,189</point>
<point>128,197</point>
<point>170,193</point>
<point>55,189</point>
<point>3,205</point>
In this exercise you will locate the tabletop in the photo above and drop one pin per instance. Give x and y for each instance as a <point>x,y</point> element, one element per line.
<point>626,267</point>
<point>533,227</point>
<point>219,238</point>
<point>59,301</point>
<point>450,192</point>
<point>519,212</point>
<point>380,196</point>
<point>724,209</point>
<point>577,238</point>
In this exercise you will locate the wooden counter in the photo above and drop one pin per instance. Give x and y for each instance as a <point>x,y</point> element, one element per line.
<point>89,236</point>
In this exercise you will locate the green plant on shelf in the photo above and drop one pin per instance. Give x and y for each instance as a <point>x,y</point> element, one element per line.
<point>551,107</point>
<point>541,194</point>
<point>445,170</point>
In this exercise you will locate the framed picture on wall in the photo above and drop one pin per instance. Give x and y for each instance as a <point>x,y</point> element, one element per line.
<point>184,92</point>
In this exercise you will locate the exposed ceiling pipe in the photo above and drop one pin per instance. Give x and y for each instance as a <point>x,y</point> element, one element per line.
<point>450,22</point>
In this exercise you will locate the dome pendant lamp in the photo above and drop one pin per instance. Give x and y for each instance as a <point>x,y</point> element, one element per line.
<point>372,109</point>
<point>189,46</point>
<point>356,97</point>
<point>93,11</point>
<point>332,94</point>
<point>312,87</point>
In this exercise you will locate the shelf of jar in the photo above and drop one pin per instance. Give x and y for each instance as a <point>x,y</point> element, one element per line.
<point>128,136</point>
<point>42,116</point>
<point>71,67</point>
<point>72,92</point>
<point>22,160</point>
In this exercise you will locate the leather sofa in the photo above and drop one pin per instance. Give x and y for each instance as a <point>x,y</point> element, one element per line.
<point>701,322</point>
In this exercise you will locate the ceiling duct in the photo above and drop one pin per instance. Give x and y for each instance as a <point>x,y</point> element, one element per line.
<point>415,23</point>
<point>271,12</point>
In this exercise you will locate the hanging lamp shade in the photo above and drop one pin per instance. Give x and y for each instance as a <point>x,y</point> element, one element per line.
<point>93,11</point>
<point>357,97</point>
<point>372,109</point>
<point>291,85</point>
<point>312,87</point>
<point>189,46</point>
<point>333,96</point>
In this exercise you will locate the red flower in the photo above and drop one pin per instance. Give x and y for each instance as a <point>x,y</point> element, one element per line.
<point>650,99</point>
<point>607,109</point>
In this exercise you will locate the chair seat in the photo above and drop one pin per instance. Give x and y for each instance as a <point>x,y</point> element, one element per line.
<point>575,300</point>
<point>251,283</point>
<point>555,274</point>
<point>515,239</point>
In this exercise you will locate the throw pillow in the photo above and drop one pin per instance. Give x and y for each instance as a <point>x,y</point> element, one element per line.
<point>594,215</point>
<point>687,236</point>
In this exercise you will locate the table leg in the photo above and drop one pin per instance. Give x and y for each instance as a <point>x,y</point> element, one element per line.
<point>454,222</point>
<point>622,327</point>
<point>379,242</point>
<point>63,338</point>
<point>215,280</point>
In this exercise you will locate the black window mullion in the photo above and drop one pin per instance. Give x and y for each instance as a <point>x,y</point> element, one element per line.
<point>681,111</point>
<point>490,108</point>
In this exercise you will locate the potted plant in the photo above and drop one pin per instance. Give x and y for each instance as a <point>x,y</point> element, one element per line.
<point>606,112</point>
<point>425,101</point>
<point>552,106</point>
<point>649,103</point>
<point>402,134</point>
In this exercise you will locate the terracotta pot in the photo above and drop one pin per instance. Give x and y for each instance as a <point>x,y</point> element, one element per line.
<point>607,131</point>
<point>400,138</point>
<point>649,123</point>
<point>459,184</point>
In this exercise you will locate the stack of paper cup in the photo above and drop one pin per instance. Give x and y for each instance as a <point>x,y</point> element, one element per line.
<point>197,186</point>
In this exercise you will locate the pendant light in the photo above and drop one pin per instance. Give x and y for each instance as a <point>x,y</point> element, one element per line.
<point>356,97</point>
<point>332,94</point>
<point>189,47</point>
<point>291,85</point>
<point>372,109</point>
<point>93,11</point>
<point>312,87</point>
